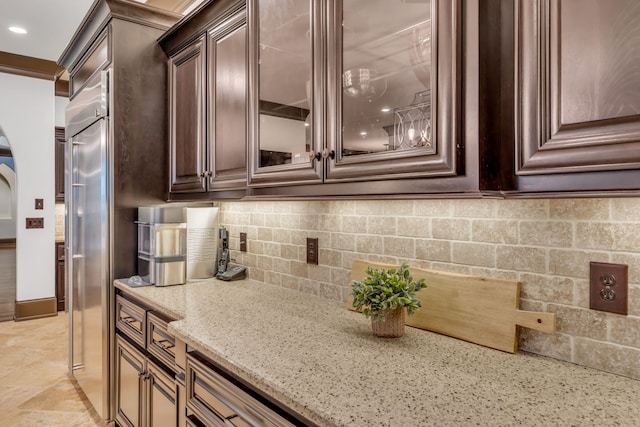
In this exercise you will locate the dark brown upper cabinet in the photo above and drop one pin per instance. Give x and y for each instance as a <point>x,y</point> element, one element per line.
<point>346,92</point>
<point>187,123</point>
<point>208,96</point>
<point>428,98</point>
<point>575,95</point>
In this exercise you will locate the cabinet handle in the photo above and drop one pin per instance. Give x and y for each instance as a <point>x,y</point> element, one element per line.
<point>229,420</point>
<point>128,319</point>
<point>164,346</point>
<point>204,174</point>
<point>328,153</point>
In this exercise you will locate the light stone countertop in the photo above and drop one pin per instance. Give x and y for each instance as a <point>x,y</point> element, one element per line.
<point>320,359</point>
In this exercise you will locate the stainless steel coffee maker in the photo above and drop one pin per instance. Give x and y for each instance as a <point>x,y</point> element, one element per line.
<point>162,248</point>
<point>177,243</point>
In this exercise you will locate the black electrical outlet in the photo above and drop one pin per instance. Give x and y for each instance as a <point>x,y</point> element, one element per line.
<point>243,242</point>
<point>35,223</point>
<point>312,250</point>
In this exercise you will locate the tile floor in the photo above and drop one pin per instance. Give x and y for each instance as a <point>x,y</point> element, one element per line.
<point>35,389</point>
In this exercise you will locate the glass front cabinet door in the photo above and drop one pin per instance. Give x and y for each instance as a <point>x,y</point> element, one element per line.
<point>353,90</point>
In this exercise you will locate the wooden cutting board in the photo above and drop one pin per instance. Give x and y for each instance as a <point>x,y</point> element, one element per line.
<point>476,309</point>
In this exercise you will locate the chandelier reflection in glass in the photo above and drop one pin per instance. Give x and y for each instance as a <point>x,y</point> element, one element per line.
<point>412,123</point>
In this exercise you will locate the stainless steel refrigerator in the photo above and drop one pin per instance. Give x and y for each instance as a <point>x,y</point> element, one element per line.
<point>117,159</point>
<point>89,216</point>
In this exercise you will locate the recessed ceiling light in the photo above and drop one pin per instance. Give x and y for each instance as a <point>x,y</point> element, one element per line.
<point>385,109</point>
<point>18,30</point>
<point>363,133</point>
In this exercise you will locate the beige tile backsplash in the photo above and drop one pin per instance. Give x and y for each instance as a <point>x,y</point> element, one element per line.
<point>545,244</point>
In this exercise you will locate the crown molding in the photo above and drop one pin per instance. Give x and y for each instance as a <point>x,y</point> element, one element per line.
<point>62,88</point>
<point>28,66</point>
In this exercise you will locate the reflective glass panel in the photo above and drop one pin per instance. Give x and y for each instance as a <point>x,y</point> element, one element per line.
<point>386,76</point>
<point>285,61</point>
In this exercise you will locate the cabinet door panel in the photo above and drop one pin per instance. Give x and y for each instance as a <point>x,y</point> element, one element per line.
<point>394,89</point>
<point>577,93</point>
<point>130,369</point>
<point>227,104</point>
<point>285,91</point>
<point>188,127</point>
<point>161,410</point>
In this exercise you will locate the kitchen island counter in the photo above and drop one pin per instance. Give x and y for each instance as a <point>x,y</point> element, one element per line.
<point>321,360</point>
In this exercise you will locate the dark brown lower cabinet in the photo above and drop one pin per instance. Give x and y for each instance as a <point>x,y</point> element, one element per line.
<point>157,383</point>
<point>145,381</point>
<point>145,394</point>
<point>60,277</point>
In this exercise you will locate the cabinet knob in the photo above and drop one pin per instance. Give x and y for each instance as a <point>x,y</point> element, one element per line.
<point>317,156</point>
<point>328,153</point>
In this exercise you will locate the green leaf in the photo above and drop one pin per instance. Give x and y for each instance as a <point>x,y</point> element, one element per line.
<point>382,289</point>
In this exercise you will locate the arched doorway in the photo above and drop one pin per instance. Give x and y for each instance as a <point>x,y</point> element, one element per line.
<point>8,209</point>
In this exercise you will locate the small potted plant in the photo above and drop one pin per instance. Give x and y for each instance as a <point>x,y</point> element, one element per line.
<point>383,296</point>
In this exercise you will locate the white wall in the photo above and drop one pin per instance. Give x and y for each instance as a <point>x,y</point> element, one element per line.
<point>61,104</point>
<point>27,116</point>
<point>280,134</point>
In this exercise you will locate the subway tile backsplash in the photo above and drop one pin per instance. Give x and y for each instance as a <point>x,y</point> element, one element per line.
<point>544,244</point>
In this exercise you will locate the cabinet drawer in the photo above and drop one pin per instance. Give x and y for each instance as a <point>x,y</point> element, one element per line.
<point>216,400</point>
<point>160,342</point>
<point>130,319</point>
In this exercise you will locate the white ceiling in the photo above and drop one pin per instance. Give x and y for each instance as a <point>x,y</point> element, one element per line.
<point>50,25</point>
